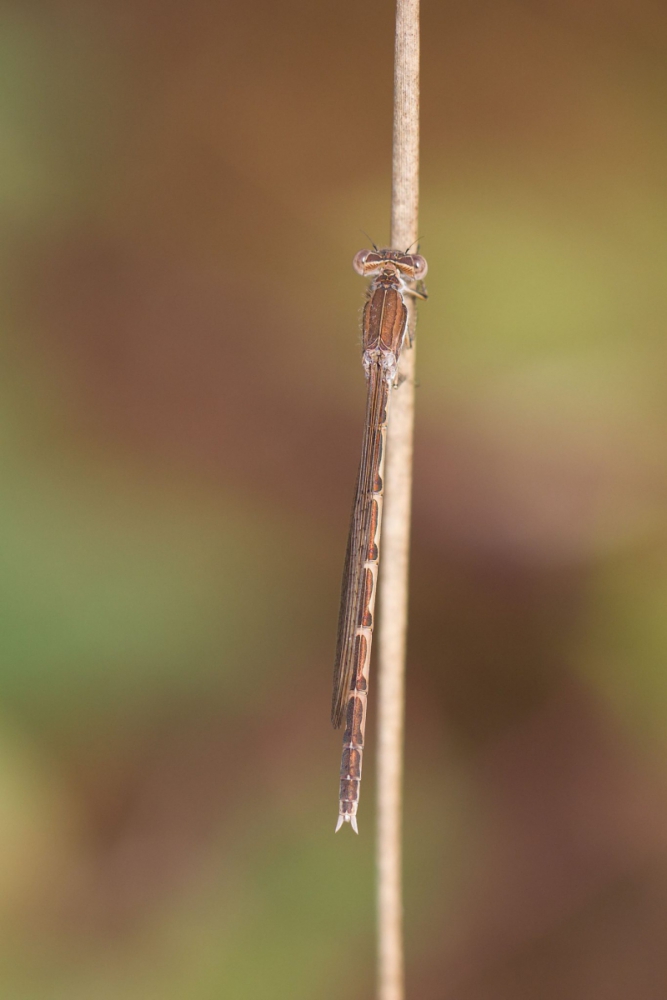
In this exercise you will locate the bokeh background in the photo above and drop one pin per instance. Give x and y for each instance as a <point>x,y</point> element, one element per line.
<point>183,188</point>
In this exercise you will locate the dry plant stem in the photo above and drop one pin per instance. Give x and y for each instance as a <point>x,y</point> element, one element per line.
<point>393,595</point>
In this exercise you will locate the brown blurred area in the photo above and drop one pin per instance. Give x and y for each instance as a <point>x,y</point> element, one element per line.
<point>185,187</point>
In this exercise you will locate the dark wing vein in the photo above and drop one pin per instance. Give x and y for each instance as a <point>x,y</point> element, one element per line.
<point>352,591</point>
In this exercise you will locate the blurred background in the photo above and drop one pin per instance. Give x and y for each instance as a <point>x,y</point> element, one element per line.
<point>183,188</point>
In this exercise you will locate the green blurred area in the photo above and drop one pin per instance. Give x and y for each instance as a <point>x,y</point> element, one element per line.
<point>183,190</point>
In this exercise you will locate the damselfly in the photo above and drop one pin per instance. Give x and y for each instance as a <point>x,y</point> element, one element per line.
<point>384,328</point>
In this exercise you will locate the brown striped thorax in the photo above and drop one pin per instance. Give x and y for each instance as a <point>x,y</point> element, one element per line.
<point>385,315</point>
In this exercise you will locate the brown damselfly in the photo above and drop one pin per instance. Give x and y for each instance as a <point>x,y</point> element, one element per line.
<point>384,328</point>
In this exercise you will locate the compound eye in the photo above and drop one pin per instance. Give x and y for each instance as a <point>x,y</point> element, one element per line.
<point>405,263</point>
<point>360,260</point>
<point>365,261</point>
<point>420,266</point>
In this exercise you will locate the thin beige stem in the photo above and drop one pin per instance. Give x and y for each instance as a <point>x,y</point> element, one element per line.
<point>393,594</point>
